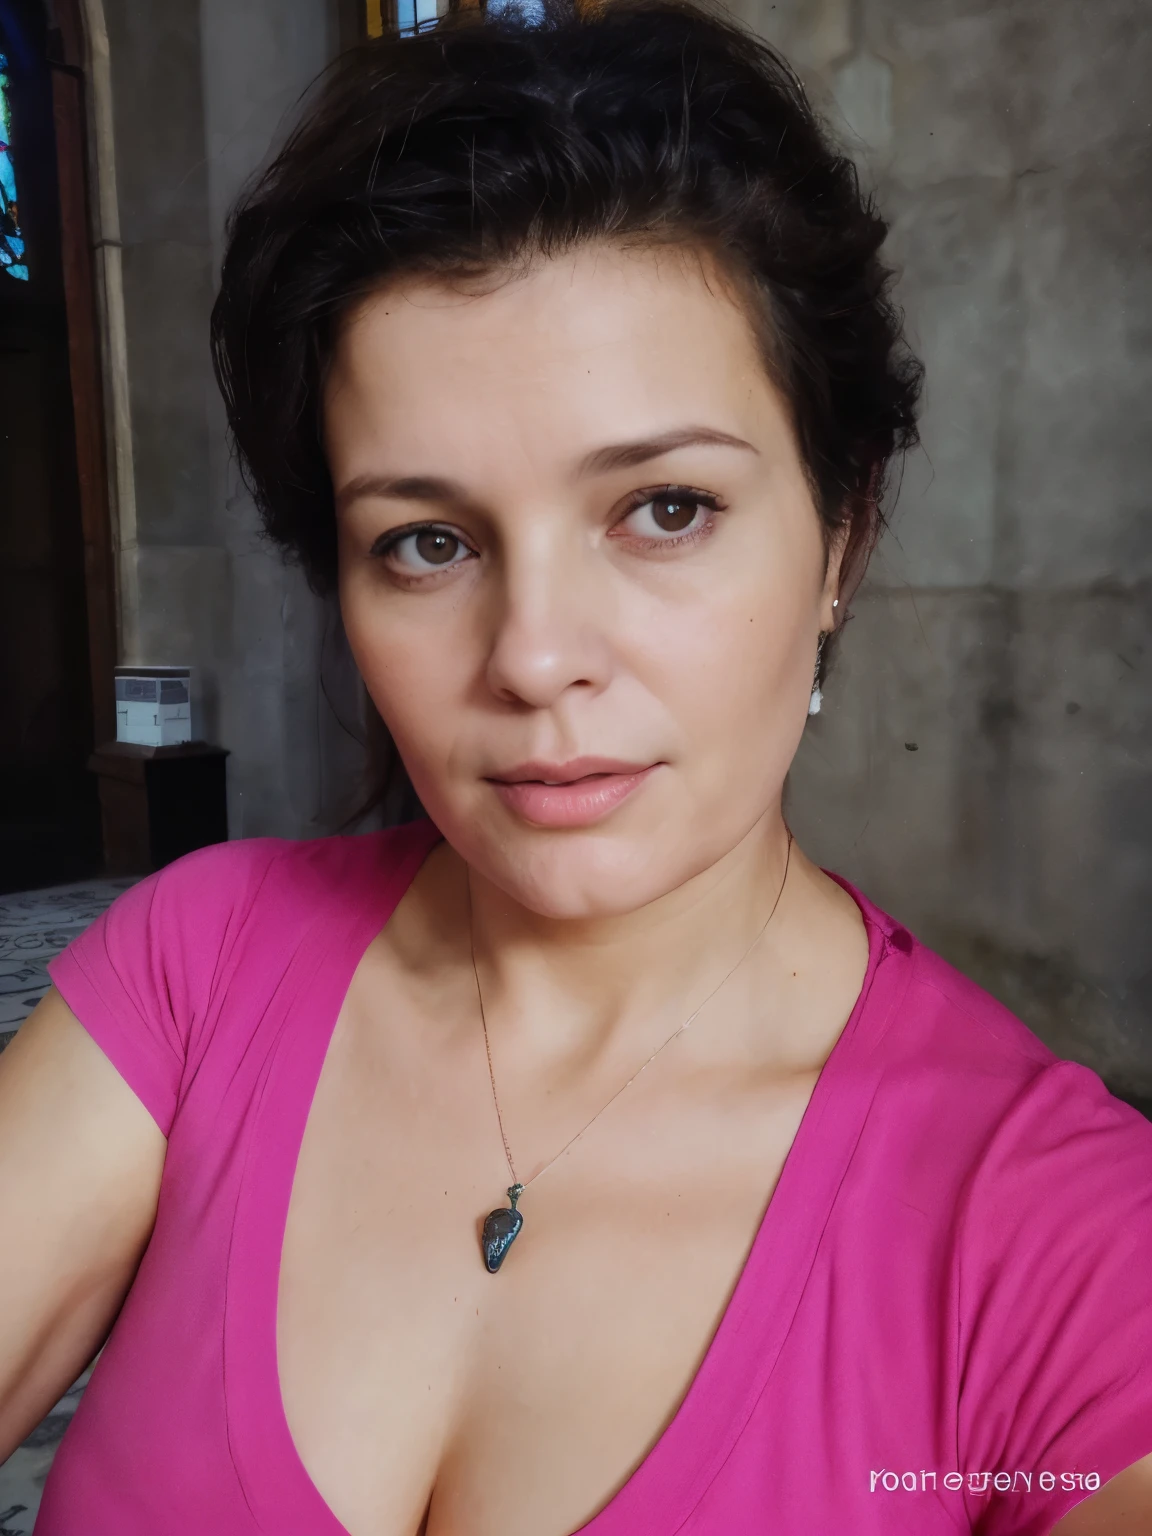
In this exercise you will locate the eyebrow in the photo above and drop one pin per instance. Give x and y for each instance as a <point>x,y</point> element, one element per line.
<point>601,461</point>
<point>624,455</point>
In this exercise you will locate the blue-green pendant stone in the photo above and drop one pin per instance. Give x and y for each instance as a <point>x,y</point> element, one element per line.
<point>500,1229</point>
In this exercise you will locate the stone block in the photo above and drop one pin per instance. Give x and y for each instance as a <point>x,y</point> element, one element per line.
<point>1078,465</point>
<point>862,90</point>
<point>167,298</point>
<point>161,179</point>
<point>259,57</point>
<point>953,247</point>
<point>1083,80</point>
<point>957,101</point>
<point>812,34</point>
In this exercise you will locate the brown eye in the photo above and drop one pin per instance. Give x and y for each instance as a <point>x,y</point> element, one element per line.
<point>437,546</point>
<point>672,514</point>
<point>420,551</point>
<point>665,515</point>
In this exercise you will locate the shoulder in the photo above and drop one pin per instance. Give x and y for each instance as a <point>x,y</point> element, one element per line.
<point>971,1098</point>
<point>208,938</point>
<point>282,877</point>
<point>251,901</point>
<point>182,930</point>
<point>223,875</point>
<point>1042,1097</point>
<point>938,1017</point>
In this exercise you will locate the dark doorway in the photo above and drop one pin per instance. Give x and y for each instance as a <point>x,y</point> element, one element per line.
<point>49,811</point>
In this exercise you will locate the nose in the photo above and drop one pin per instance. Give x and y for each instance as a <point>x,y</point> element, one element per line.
<point>551,620</point>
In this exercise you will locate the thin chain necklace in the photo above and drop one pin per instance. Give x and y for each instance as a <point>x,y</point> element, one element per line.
<point>502,1225</point>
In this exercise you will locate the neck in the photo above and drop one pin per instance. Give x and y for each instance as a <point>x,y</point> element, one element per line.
<point>568,989</point>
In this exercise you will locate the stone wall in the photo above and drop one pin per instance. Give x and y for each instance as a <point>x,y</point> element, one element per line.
<point>201,91</point>
<point>982,764</point>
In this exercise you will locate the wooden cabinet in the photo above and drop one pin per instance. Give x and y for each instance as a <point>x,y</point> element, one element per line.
<point>157,803</point>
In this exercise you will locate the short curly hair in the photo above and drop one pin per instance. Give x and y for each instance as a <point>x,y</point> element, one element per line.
<point>490,139</point>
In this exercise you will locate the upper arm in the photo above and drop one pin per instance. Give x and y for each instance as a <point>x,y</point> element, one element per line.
<point>90,1089</point>
<point>80,1165</point>
<point>1056,1311</point>
<point>1123,1507</point>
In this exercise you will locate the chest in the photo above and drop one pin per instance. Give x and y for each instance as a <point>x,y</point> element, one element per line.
<point>425,1394</point>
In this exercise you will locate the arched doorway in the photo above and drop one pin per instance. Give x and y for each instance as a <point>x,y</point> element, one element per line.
<point>57,605</point>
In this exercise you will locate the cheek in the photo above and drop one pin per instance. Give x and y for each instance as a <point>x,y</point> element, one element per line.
<point>743,706</point>
<point>733,663</point>
<point>414,659</point>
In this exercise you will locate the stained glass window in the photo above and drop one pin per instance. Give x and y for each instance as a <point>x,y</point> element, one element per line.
<point>418,15</point>
<point>12,258</point>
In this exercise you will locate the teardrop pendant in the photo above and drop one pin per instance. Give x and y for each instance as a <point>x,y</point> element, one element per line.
<point>500,1229</point>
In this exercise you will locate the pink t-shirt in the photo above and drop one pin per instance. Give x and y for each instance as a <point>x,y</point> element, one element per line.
<point>944,1323</point>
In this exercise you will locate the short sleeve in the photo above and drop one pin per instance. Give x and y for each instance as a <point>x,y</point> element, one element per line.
<point>1055,1304</point>
<point>142,975</point>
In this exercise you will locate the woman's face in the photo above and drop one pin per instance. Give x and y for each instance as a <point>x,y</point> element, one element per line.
<point>574,525</point>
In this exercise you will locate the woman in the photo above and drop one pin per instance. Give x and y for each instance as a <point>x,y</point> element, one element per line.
<point>565,354</point>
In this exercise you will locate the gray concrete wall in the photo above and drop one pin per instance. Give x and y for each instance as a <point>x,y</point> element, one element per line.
<point>201,91</point>
<point>981,767</point>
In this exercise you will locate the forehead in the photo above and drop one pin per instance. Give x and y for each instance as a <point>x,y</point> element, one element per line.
<point>584,346</point>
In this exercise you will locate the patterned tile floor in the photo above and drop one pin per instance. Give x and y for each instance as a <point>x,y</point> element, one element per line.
<point>22,1475</point>
<point>34,926</point>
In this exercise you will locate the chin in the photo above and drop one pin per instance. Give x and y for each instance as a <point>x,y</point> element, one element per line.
<point>579,878</point>
<point>579,874</point>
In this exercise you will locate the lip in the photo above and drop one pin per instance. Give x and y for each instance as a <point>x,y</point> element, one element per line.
<point>581,792</point>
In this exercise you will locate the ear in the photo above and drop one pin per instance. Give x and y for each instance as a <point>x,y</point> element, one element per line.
<point>831,616</point>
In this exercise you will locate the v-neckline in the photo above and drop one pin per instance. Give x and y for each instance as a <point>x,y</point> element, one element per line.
<point>665,1487</point>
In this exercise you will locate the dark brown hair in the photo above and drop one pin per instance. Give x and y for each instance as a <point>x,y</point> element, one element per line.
<point>469,147</point>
